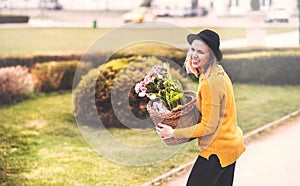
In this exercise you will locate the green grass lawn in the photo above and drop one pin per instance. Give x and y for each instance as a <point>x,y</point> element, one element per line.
<point>41,143</point>
<point>32,40</point>
<point>22,41</point>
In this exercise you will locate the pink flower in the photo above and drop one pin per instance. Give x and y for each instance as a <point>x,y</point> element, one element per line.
<point>147,80</point>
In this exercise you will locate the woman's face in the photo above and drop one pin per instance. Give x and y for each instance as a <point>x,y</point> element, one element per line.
<point>200,54</point>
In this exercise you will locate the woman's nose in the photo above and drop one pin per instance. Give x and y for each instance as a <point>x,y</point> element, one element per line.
<point>194,55</point>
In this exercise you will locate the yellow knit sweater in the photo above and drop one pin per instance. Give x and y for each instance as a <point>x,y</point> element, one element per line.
<point>217,132</point>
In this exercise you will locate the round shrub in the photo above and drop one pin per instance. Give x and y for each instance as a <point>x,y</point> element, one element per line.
<point>112,88</point>
<point>127,107</point>
<point>152,48</point>
<point>16,84</point>
<point>94,89</point>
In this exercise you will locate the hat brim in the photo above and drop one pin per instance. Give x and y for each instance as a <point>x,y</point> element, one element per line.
<point>192,37</point>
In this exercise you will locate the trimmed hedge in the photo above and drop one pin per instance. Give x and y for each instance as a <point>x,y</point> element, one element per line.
<point>14,19</point>
<point>31,60</point>
<point>273,68</point>
<point>244,65</point>
<point>56,75</point>
<point>169,52</point>
<point>248,50</point>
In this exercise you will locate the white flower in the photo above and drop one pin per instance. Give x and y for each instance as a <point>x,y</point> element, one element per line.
<point>142,94</point>
<point>137,87</point>
<point>159,76</point>
<point>152,96</point>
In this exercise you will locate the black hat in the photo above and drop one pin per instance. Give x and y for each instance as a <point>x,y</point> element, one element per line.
<point>212,40</point>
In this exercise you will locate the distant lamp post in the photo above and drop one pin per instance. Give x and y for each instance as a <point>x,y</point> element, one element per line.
<point>107,5</point>
<point>42,5</point>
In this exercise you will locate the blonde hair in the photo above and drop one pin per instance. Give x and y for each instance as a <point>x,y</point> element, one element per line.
<point>188,66</point>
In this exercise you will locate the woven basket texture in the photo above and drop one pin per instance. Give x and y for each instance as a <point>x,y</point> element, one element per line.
<point>180,117</point>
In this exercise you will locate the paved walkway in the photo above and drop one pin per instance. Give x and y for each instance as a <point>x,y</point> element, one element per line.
<point>273,159</point>
<point>259,38</point>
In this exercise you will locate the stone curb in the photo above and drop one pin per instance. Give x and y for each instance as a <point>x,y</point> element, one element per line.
<point>246,136</point>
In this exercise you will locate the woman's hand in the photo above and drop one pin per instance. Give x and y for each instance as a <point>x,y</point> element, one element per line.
<point>164,131</point>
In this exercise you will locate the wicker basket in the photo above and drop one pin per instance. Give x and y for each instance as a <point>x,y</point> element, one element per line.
<point>180,117</point>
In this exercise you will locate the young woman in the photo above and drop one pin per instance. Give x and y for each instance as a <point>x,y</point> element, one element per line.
<point>220,140</point>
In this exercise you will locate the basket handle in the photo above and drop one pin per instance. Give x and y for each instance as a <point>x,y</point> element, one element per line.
<point>179,107</point>
<point>191,93</point>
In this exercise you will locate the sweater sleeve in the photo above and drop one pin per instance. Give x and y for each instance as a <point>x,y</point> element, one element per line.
<point>211,95</point>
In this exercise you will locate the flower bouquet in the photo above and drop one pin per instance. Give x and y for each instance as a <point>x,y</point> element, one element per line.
<point>169,103</point>
<point>159,84</point>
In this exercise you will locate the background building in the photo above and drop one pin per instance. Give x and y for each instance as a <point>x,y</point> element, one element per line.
<point>75,4</point>
<point>242,7</point>
<point>172,7</point>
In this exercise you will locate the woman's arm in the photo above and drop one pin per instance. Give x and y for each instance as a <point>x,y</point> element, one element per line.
<point>211,94</point>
